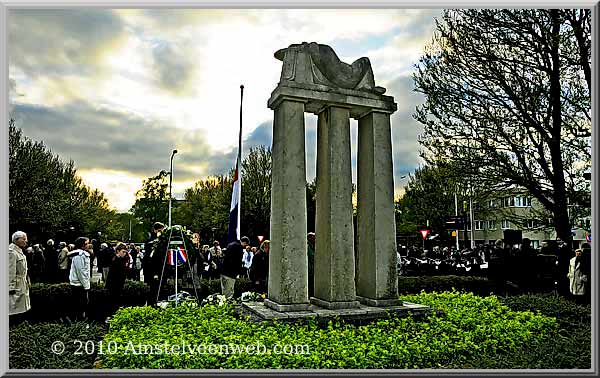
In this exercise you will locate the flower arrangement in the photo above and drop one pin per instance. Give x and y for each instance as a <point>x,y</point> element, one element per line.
<point>182,298</point>
<point>250,296</point>
<point>214,299</point>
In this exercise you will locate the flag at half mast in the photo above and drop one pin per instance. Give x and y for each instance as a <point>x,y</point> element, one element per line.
<point>233,232</point>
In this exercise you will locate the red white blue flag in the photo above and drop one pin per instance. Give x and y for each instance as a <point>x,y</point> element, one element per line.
<point>233,231</point>
<point>176,255</point>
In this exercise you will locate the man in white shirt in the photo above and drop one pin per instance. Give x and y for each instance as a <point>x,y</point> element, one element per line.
<point>80,276</point>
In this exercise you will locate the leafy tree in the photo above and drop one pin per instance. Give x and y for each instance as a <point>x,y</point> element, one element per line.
<point>256,193</point>
<point>152,201</point>
<point>508,95</point>
<point>206,207</point>
<point>47,199</point>
<point>429,198</point>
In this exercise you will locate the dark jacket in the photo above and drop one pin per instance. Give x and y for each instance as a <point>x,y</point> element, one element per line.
<point>117,274</point>
<point>51,260</point>
<point>232,262</point>
<point>105,256</point>
<point>259,270</point>
<point>149,262</point>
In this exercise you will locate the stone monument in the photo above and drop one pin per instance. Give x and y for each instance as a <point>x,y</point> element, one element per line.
<point>314,80</point>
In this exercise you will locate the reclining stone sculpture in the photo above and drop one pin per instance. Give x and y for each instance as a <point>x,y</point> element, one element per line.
<point>313,63</point>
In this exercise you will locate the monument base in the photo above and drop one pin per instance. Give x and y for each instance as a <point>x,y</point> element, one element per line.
<point>262,312</point>
<point>379,302</point>
<point>334,305</point>
<point>286,307</point>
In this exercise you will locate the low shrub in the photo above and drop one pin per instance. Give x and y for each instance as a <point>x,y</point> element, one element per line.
<point>569,347</point>
<point>470,328</point>
<point>58,297</point>
<point>477,285</point>
<point>30,345</point>
<point>135,293</point>
<point>564,310</point>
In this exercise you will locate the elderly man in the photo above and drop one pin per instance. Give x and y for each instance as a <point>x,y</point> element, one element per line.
<point>18,281</point>
<point>63,262</point>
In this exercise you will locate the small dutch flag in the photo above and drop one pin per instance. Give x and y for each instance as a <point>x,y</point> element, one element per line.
<point>177,255</point>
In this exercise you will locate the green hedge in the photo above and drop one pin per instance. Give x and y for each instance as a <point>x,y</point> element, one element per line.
<point>58,297</point>
<point>473,284</point>
<point>51,302</point>
<point>567,312</point>
<point>470,329</point>
<point>569,347</point>
<point>29,345</point>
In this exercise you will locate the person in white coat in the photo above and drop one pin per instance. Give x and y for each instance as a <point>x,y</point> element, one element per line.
<point>577,278</point>
<point>18,280</point>
<point>80,276</point>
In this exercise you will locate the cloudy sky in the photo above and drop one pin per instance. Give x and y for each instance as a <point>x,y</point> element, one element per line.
<point>117,90</point>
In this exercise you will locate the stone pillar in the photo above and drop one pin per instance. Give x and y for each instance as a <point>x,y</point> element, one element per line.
<point>288,260</point>
<point>334,250</point>
<point>377,278</point>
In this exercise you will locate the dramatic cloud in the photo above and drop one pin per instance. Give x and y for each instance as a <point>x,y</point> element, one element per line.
<point>174,67</point>
<point>62,42</point>
<point>99,138</point>
<point>117,90</point>
<point>405,130</point>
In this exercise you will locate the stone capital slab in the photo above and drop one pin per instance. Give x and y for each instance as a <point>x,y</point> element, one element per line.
<point>317,97</point>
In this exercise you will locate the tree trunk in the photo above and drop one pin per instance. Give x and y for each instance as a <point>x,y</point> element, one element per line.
<point>561,216</point>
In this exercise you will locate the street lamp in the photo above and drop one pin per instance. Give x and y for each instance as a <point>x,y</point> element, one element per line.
<point>170,184</point>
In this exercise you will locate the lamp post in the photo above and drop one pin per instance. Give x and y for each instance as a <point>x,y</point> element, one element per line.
<point>170,184</point>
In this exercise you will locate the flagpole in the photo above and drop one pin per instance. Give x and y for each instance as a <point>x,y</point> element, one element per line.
<point>239,165</point>
<point>176,299</point>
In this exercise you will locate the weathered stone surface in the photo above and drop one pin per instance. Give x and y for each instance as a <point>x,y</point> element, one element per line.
<point>313,63</point>
<point>314,80</point>
<point>335,305</point>
<point>317,97</point>
<point>377,278</point>
<point>260,312</point>
<point>288,268</point>
<point>334,252</point>
<point>286,307</point>
<point>379,302</point>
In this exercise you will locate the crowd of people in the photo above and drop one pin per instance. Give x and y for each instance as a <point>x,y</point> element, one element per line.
<point>116,262</point>
<point>568,270</point>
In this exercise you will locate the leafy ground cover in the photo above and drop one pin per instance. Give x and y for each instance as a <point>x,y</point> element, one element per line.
<point>523,331</point>
<point>470,329</point>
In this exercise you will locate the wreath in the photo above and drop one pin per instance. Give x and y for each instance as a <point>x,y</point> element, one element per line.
<point>172,237</point>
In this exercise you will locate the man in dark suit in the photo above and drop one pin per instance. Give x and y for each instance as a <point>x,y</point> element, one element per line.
<point>232,265</point>
<point>152,264</point>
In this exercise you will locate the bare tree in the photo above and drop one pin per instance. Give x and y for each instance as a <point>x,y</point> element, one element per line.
<point>508,95</point>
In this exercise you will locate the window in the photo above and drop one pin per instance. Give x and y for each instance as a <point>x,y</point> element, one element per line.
<point>491,203</point>
<point>522,201</point>
<point>505,224</point>
<point>508,201</point>
<point>491,225</point>
<point>532,223</point>
<point>479,225</point>
<point>475,206</point>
